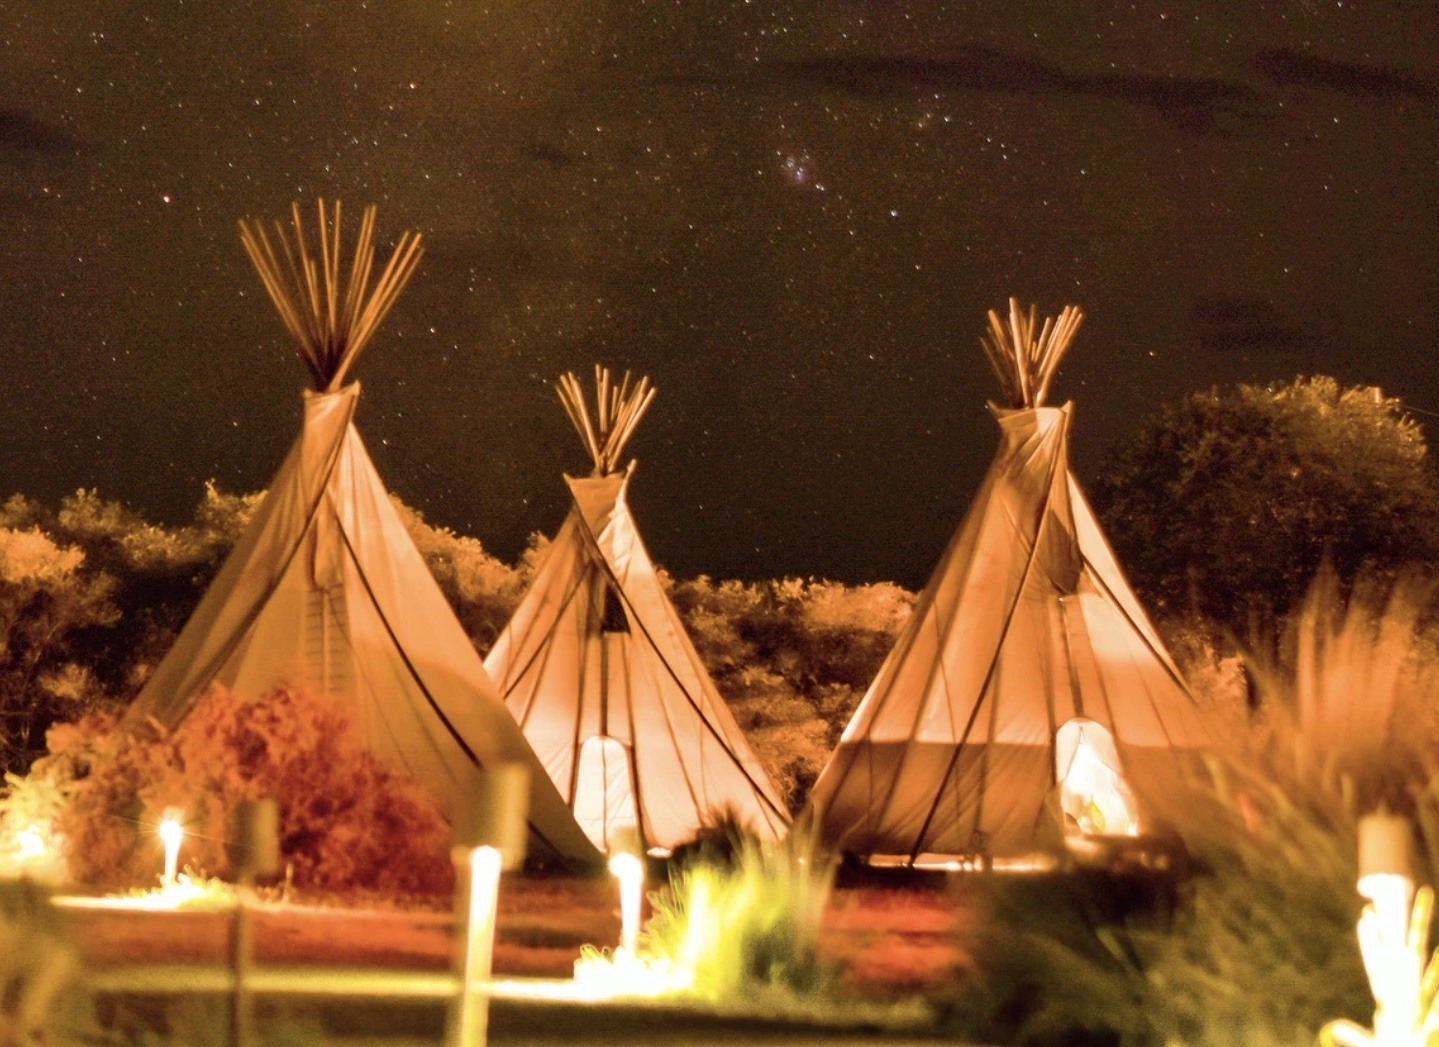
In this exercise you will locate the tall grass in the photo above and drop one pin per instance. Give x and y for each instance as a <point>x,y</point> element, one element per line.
<point>738,924</point>
<point>748,923</point>
<point>1265,949</point>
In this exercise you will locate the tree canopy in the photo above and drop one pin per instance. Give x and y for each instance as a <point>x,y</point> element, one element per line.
<point>1227,503</point>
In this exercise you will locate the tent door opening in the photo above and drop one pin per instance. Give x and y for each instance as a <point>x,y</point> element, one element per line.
<point>604,800</point>
<point>1095,798</point>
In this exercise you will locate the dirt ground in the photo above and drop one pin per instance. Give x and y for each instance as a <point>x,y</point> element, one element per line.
<point>888,941</point>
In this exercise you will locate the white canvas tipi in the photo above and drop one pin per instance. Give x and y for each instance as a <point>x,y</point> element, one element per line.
<point>326,589</point>
<point>1029,695</point>
<point>596,667</point>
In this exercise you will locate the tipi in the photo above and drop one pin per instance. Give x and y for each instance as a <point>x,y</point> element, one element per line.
<point>325,587</point>
<point>1028,695</point>
<point>596,666</point>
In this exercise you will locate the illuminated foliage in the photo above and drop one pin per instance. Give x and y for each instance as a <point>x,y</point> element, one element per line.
<point>47,603</point>
<point>346,821</point>
<point>127,588</point>
<point>30,844</point>
<point>741,926</point>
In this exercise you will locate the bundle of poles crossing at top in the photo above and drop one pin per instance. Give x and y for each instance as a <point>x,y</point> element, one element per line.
<point>330,317</point>
<point>618,409</point>
<point>1024,363</point>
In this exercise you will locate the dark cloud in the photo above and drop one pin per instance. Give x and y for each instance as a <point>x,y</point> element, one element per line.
<point>24,134</point>
<point>1293,68</point>
<point>553,155</point>
<point>1199,105</point>
<point>1244,325</point>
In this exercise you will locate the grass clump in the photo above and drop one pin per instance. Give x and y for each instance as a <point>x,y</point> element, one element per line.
<point>751,922</point>
<point>1264,950</point>
<point>738,922</point>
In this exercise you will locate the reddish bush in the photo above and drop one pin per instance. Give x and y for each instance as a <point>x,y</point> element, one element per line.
<point>346,821</point>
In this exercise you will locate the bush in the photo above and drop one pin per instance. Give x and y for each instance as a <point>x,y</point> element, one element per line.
<point>346,822</point>
<point>48,602</point>
<point>1225,505</point>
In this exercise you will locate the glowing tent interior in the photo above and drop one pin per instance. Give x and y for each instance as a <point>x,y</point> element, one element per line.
<point>598,670</point>
<point>1029,695</point>
<point>325,588</point>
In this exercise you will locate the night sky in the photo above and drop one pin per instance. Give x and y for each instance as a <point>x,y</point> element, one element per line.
<point>792,215</point>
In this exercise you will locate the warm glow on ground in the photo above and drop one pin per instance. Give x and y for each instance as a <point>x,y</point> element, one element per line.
<point>185,892</point>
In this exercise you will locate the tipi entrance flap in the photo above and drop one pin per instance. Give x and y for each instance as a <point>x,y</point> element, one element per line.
<point>604,798</point>
<point>1093,794</point>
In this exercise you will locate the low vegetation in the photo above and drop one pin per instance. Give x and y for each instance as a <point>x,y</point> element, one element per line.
<point>347,823</point>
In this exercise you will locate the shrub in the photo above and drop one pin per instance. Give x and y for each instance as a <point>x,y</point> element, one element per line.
<point>346,821</point>
<point>739,920</point>
<point>793,659</point>
<point>30,809</point>
<point>48,601</point>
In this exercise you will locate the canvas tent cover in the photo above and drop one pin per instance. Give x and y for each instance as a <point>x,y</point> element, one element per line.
<point>1026,623</point>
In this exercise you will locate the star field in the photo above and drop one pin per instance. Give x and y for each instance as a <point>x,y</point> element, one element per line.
<point>792,215</point>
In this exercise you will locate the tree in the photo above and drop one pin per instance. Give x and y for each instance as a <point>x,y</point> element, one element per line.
<point>1225,505</point>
